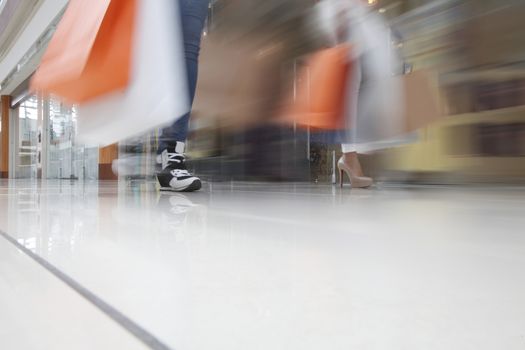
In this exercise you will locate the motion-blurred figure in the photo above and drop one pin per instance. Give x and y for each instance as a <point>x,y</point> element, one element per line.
<point>174,174</point>
<point>373,98</point>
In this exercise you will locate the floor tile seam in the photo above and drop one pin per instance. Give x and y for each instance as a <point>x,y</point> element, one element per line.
<point>220,191</point>
<point>117,316</point>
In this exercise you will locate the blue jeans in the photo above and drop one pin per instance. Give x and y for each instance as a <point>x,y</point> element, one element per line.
<point>193,13</point>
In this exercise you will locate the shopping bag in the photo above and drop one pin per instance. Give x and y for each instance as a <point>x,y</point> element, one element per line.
<point>238,86</point>
<point>89,54</point>
<point>422,102</point>
<point>392,108</point>
<point>157,93</point>
<point>321,90</point>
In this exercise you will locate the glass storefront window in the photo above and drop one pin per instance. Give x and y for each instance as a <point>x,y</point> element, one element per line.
<point>27,154</point>
<point>46,142</point>
<point>66,159</point>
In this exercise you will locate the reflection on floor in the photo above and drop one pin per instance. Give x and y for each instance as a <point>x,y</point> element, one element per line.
<point>265,266</point>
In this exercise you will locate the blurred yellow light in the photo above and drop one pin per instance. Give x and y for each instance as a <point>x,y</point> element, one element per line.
<point>372,2</point>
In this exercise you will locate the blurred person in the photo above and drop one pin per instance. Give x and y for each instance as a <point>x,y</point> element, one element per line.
<point>170,155</point>
<point>373,98</point>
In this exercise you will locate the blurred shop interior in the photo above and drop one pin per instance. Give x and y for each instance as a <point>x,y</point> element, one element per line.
<point>475,48</point>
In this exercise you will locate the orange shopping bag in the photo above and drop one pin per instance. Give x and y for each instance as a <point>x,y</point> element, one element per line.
<point>90,52</point>
<point>320,99</point>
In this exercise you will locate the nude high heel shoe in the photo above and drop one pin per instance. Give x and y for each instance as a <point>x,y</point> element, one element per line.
<point>355,181</point>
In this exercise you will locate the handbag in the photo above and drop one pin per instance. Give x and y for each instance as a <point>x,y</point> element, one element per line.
<point>89,53</point>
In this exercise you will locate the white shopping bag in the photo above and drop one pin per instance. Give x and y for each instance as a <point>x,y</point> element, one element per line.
<point>157,94</point>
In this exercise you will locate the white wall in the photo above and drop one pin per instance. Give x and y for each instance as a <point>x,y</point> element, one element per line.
<point>41,20</point>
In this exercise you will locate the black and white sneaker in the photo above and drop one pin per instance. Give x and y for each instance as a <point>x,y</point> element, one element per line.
<point>174,176</point>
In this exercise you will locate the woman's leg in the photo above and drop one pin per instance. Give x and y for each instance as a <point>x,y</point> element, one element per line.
<point>349,162</point>
<point>193,16</point>
<point>349,150</point>
<point>174,175</point>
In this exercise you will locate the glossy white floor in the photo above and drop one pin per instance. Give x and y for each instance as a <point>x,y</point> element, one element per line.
<point>257,266</point>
